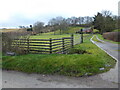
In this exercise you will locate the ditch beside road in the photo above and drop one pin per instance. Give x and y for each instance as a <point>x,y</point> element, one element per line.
<point>14,79</point>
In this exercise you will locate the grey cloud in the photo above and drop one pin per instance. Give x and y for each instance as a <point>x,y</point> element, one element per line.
<point>19,19</point>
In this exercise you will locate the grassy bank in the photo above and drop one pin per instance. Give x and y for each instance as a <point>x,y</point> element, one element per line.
<point>88,63</point>
<point>95,39</point>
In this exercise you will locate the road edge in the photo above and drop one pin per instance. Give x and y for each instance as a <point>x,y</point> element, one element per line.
<point>102,48</point>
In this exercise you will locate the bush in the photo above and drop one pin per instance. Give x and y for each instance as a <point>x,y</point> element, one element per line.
<point>7,41</point>
<point>76,51</point>
<point>114,36</point>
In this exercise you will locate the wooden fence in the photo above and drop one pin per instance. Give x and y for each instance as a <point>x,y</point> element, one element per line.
<point>45,46</point>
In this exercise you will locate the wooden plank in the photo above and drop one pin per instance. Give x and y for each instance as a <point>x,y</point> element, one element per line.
<point>57,41</point>
<point>67,45</point>
<point>57,50</point>
<point>57,44</point>
<point>67,40</point>
<point>40,45</point>
<point>67,37</point>
<point>40,50</point>
<point>30,45</point>
<point>34,39</point>
<point>56,47</point>
<point>39,39</point>
<point>41,42</point>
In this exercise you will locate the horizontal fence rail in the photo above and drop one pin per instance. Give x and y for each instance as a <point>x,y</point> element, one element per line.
<point>45,46</point>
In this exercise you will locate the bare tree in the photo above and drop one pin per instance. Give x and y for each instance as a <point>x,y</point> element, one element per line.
<point>80,20</point>
<point>69,21</point>
<point>106,13</point>
<point>58,23</point>
<point>74,20</point>
<point>38,26</point>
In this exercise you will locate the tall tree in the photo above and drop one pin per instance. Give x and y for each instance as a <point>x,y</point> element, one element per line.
<point>58,23</point>
<point>109,24</point>
<point>104,22</point>
<point>99,22</point>
<point>38,27</point>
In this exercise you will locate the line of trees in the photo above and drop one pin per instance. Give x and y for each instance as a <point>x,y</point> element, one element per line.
<point>104,22</point>
<point>60,23</point>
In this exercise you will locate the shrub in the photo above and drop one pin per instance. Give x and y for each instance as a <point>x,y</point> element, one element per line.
<point>7,41</point>
<point>114,36</point>
<point>76,51</point>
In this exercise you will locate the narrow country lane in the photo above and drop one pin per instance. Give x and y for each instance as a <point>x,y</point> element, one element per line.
<point>14,79</point>
<point>112,50</point>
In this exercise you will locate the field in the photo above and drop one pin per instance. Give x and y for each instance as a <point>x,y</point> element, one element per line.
<point>83,60</point>
<point>69,30</point>
<point>48,36</point>
<point>10,30</point>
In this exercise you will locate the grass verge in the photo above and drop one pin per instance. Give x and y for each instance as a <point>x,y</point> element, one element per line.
<point>64,64</point>
<point>95,39</point>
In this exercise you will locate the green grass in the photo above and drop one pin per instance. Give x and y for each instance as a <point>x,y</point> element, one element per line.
<point>95,39</point>
<point>69,30</point>
<point>95,31</point>
<point>48,36</point>
<point>72,29</point>
<point>101,37</point>
<point>62,64</point>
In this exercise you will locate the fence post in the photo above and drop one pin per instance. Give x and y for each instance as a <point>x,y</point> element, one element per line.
<point>81,36</point>
<point>72,41</point>
<point>63,45</point>
<point>50,45</point>
<point>28,48</point>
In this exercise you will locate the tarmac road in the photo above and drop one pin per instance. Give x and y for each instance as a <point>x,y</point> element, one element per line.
<point>14,79</point>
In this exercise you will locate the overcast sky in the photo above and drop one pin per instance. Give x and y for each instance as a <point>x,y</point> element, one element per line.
<point>14,13</point>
